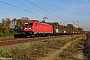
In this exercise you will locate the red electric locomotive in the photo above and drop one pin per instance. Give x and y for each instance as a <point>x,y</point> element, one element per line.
<point>34,27</point>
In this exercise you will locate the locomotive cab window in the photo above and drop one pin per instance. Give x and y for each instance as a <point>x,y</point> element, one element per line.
<point>25,24</point>
<point>28,24</point>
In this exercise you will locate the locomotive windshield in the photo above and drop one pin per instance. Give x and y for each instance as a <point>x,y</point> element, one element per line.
<point>28,24</point>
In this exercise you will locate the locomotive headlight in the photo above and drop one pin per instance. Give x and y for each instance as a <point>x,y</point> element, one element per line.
<point>30,28</point>
<point>24,28</point>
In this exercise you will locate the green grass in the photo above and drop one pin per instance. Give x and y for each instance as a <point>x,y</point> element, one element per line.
<point>70,52</point>
<point>9,35</point>
<point>34,50</point>
<point>6,37</point>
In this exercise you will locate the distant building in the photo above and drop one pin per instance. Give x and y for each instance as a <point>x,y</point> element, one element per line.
<point>13,23</point>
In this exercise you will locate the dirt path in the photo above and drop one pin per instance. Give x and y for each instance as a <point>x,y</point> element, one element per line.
<point>55,53</point>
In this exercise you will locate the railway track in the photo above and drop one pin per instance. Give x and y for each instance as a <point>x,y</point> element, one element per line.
<point>23,40</point>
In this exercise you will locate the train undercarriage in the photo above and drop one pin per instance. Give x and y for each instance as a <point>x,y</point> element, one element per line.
<point>28,35</point>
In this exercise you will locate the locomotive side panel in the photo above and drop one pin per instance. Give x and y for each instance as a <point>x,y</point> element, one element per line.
<point>33,27</point>
<point>45,28</point>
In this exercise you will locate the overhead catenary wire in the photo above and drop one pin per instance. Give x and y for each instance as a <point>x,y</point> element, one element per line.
<point>51,10</point>
<point>42,8</point>
<point>26,5</point>
<point>48,8</point>
<point>33,9</point>
<point>21,8</point>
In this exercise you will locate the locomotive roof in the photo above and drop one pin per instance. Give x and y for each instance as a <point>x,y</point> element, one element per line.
<point>31,20</point>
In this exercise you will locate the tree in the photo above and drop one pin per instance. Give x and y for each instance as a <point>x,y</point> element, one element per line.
<point>19,25</point>
<point>8,22</point>
<point>3,22</point>
<point>0,27</point>
<point>24,18</point>
<point>1,34</point>
<point>56,23</point>
<point>6,25</point>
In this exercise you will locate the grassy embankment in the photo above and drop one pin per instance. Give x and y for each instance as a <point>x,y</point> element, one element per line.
<point>6,36</point>
<point>87,50</point>
<point>34,50</point>
<point>74,52</point>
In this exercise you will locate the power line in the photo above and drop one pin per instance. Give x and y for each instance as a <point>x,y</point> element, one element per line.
<point>20,8</point>
<point>50,9</point>
<point>42,9</point>
<point>32,8</point>
<point>26,5</point>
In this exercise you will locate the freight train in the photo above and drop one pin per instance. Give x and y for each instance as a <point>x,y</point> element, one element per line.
<point>35,28</point>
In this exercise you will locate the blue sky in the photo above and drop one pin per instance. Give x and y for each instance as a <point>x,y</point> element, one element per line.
<point>65,11</point>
